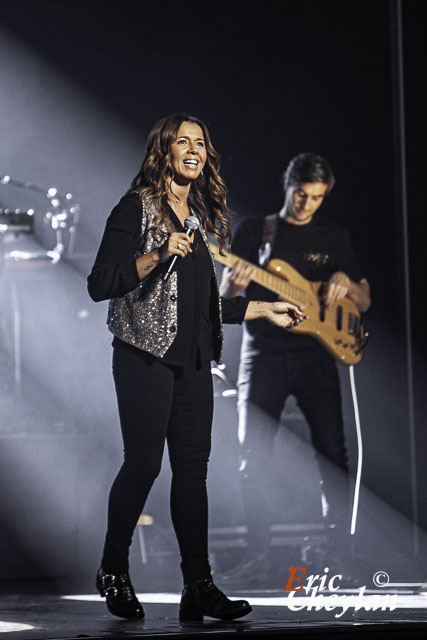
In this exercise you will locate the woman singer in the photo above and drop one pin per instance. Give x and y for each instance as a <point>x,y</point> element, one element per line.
<point>167,325</point>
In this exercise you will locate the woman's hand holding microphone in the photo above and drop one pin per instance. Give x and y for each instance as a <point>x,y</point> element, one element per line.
<point>177,244</point>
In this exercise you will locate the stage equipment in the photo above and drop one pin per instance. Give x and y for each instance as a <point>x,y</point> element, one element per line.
<point>16,221</point>
<point>223,386</point>
<point>60,216</point>
<point>38,236</point>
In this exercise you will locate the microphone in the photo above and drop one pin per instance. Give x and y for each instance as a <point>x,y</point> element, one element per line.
<point>191,224</point>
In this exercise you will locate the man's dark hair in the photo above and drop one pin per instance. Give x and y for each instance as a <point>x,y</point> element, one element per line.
<point>308,167</point>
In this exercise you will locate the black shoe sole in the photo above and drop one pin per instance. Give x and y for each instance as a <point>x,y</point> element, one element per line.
<point>134,615</point>
<point>197,616</point>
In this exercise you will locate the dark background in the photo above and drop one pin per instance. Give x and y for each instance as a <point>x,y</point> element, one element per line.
<point>270,80</point>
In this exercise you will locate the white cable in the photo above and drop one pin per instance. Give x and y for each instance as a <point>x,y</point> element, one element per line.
<point>359,453</point>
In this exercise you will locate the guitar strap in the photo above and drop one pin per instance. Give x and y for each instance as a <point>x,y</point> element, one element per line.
<point>268,235</point>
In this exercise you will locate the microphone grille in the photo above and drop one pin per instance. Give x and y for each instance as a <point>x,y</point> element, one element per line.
<point>192,222</point>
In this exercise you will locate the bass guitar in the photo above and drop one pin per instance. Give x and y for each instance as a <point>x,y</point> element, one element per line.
<point>337,327</point>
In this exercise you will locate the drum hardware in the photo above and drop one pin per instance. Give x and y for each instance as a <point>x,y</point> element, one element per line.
<point>16,221</point>
<point>61,216</point>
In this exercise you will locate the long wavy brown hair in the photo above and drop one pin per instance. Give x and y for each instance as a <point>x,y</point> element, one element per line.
<point>208,192</point>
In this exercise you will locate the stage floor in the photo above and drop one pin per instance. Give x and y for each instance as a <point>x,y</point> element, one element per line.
<point>31,614</point>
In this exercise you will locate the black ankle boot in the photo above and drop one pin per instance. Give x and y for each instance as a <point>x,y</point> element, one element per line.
<point>202,598</point>
<point>118,589</point>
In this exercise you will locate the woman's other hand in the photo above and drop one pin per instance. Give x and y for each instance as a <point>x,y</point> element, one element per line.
<point>282,314</point>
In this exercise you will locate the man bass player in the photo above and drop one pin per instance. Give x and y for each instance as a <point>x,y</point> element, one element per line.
<point>276,363</point>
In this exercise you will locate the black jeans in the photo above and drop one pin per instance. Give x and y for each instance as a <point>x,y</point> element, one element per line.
<point>265,382</point>
<point>158,402</point>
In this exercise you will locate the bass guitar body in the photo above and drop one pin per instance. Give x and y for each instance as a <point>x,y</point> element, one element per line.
<point>338,327</point>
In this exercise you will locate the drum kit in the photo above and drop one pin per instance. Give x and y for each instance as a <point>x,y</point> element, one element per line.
<point>39,234</point>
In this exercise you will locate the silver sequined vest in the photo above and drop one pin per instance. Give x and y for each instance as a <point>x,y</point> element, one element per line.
<point>147,316</point>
